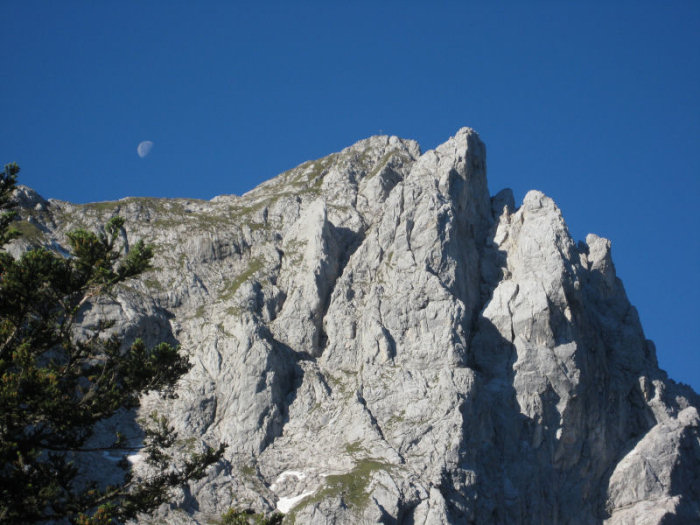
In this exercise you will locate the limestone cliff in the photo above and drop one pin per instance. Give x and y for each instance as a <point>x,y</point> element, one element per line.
<point>381,341</point>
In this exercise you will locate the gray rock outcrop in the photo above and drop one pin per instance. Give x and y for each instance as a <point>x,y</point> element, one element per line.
<point>379,340</point>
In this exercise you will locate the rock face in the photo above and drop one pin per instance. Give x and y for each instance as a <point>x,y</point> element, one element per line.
<point>380,341</point>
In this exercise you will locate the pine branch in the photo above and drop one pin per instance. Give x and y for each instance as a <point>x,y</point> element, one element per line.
<point>54,388</point>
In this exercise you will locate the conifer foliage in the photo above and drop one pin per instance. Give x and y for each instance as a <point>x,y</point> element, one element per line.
<point>54,386</point>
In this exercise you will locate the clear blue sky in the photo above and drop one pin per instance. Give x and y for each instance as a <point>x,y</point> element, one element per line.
<point>597,105</point>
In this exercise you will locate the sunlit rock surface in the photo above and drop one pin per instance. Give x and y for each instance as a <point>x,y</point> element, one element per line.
<point>379,340</point>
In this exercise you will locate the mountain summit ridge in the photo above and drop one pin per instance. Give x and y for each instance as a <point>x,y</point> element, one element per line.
<point>381,341</point>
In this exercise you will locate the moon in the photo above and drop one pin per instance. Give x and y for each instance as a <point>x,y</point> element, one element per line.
<point>144,148</point>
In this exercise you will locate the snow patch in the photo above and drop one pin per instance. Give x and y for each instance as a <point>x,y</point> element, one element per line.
<point>134,458</point>
<point>284,505</point>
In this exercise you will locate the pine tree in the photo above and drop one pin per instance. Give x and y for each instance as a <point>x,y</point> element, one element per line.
<point>55,386</point>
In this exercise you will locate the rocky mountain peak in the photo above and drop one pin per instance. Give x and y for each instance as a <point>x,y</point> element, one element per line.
<point>381,341</point>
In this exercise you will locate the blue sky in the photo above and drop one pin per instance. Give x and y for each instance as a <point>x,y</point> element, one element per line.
<point>597,104</point>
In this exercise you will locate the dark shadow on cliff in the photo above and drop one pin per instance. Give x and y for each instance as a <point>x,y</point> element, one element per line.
<point>347,241</point>
<point>614,360</point>
<point>553,467</point>
<point>104,463</point>
<point>291,376</point>
<point>685,476</point>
